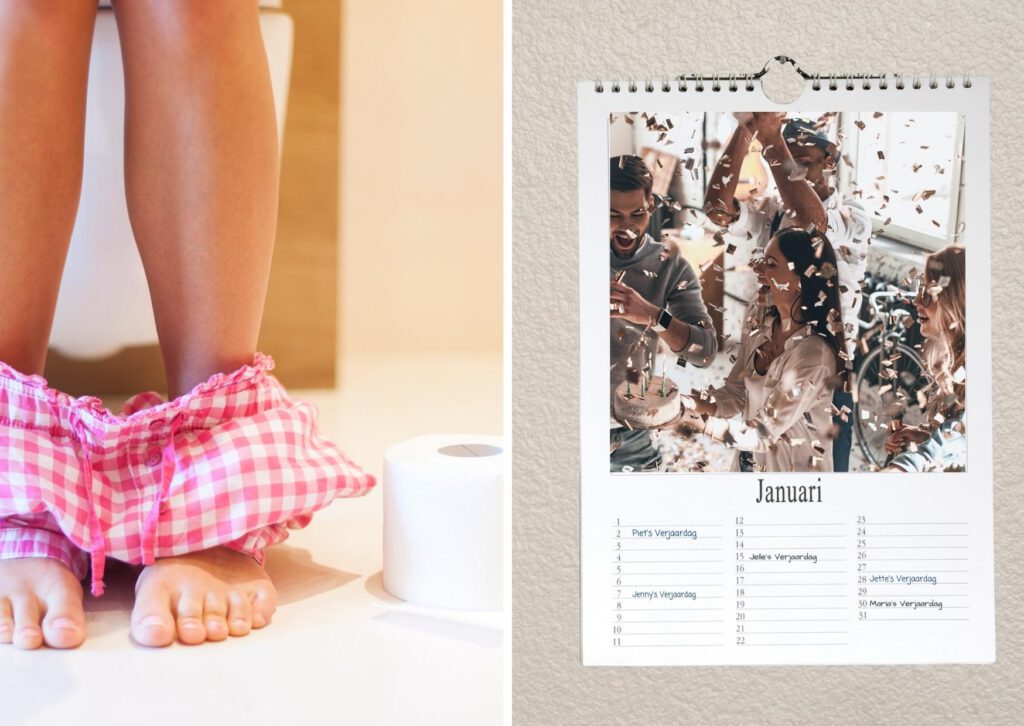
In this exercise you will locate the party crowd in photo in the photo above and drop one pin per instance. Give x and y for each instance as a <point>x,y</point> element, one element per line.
<point>823,356</point>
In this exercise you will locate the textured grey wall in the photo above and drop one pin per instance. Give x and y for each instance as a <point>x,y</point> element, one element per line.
<point>554,45</point>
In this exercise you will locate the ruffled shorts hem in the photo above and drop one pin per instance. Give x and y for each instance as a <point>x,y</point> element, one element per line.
<point>234,461</point>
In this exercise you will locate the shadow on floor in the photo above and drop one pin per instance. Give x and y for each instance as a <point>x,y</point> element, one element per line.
<point>449,624</point>
<point>297,577</point>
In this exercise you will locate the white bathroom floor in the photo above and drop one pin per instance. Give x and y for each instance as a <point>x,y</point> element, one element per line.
<point>340,650</point>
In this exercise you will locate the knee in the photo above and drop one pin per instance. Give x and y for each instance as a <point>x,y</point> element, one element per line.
<point>55,21</point>
<point>188,27</point>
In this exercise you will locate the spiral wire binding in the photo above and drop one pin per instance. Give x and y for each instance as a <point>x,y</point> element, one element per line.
<point>732,83</point>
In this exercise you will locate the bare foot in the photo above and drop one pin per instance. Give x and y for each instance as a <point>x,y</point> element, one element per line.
<point>40,602</point>
<point>201,596</point>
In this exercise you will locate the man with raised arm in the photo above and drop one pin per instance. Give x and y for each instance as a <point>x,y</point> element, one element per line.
<point>655,299</point>
<point>802,160</point>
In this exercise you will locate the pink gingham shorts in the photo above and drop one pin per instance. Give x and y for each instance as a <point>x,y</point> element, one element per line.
<point>235,462</point>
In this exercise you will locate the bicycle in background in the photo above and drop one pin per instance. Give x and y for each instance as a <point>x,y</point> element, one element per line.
<point>890,378</point>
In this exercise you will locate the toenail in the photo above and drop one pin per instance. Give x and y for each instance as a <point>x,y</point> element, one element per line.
<point>65,624</point>
<point>240,622</point>
<point>191,624</point>
<point>153,621</point>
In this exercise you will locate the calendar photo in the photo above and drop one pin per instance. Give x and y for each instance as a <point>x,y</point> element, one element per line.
<point>795,315</point>
<point>788,291</point>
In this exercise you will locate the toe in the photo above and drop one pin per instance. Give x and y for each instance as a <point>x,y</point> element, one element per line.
<point>152,622</point>
<point>215,612</point>
<point>190,619</point>
<point>64,624</point>
<point>264,603</point>
<point>6,621</point>
<point>239,613</point>
<point>27,615</point>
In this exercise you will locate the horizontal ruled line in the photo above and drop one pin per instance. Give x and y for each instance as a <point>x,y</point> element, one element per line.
<point>844,607</point>
<point>791,536</point>
<point>646,573</point>
<point>900,571</point>
<point>665,561</point>
<point>672,645</point>
<point>912,547</point>
<point>914,535</point>
<point>794,584</point>
<point>792,572</point>
<point>795,620</point>
<point>671,549</point>
<point>782,645</point>
<point>930,594</point>
<point>666,610</point>
<point>791,524</point>
<point>715,581</point>
<point>909,620</point>
<point>796,548</point>
<point>823,597</point>
<point>715,632</point>
<point>928,524</point>
<point>663,526</point>
<point>920,559</point>
<point>796,632</point>
<point>640,622</point>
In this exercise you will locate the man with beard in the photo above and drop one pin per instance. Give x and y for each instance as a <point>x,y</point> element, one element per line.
<point>655,300</point>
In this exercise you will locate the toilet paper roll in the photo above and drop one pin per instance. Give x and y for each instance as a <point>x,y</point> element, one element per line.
<point>443,525</point>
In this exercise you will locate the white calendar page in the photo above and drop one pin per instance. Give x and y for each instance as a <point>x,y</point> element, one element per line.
<point>694,562</point>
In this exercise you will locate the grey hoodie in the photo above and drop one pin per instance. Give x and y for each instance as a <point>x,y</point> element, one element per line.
<point>663,277</point>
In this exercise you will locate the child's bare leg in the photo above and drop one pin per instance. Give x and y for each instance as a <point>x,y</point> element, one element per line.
<point>201,174</point>
<point>44,66</point>
<point>201,171</point>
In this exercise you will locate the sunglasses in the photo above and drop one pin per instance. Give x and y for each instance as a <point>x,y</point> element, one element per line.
<point>925,294</point>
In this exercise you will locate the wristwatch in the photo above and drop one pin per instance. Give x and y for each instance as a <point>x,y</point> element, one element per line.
<point>664,320</point>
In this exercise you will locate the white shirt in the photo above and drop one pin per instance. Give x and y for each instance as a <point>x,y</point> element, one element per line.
<point>848,230</point>
<point>787,412</point>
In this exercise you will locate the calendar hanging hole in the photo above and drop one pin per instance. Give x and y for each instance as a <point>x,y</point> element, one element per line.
<point>782,83</point>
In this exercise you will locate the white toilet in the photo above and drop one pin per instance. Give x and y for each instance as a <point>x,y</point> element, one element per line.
<point>104,302</point>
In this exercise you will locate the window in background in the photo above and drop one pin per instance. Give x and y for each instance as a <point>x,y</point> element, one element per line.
<point>906,169</point>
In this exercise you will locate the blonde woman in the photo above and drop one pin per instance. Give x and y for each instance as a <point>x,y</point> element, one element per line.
<point>940,444</point>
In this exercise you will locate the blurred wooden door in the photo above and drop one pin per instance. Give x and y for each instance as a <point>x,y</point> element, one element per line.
<point>300,319</point>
